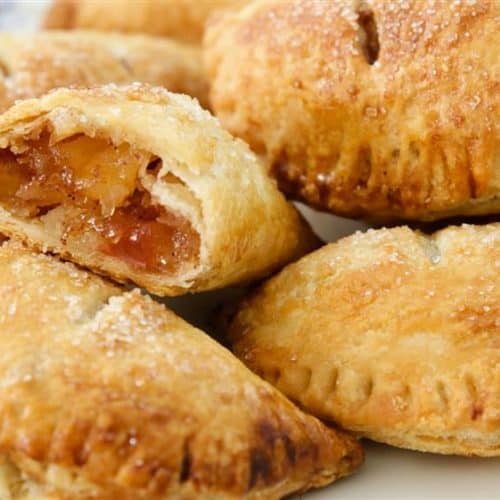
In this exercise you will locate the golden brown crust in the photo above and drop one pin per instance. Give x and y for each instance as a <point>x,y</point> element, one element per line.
<point>367,108</point>
<point>245,234</point>
<point>391,334</point>
<point>181,19</point>
<point>107,394</point>
<point>33,64</point>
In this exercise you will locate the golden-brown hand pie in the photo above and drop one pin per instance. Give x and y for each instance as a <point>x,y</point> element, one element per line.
<point>106,394</point>
<point>370,108</point>
<point>144,186</point>
<point>32,64</point>
<point>180,19</point>
<point>392,334</point>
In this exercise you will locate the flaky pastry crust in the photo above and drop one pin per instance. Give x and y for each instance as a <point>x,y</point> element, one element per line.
<point>392,334</point>
<point>106,394</point>
<point>243,227</point>
<point>33,64</point>
<point>181,19</point>
<point>367,108</point>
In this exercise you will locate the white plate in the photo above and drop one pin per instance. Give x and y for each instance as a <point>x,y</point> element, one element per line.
<point>388,473</point>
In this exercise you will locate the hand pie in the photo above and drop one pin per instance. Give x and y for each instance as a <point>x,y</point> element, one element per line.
<point>392,334</point>
<point>32,64</point>
<point>181,19</point>
<point>106,394</point>
<point>367,108</point>
<point>144,186</point>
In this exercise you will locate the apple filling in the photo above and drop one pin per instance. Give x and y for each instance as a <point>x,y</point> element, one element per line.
<point>101,181</point>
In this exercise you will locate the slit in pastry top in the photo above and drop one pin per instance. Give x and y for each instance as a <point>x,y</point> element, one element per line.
<point>143,186</point>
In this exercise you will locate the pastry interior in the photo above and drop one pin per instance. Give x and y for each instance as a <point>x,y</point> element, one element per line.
<point>94,190</point>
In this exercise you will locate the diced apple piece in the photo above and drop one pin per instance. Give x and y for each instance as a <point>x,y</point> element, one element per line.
<point>101,171</point>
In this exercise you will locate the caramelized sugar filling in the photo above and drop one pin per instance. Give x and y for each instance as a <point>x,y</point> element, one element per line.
<point>101,180</point>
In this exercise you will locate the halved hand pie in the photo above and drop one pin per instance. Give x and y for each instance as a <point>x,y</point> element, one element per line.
<point>106,394</point>
<point>144,186</point>
<point>33,64</point>
<point>392,334</point>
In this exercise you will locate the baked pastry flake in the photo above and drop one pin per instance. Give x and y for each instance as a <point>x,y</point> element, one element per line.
<point>106,394</point>
<point>391,334</point>
<point>377,109</point>
<point>33,64</point>
<point>144,186</point>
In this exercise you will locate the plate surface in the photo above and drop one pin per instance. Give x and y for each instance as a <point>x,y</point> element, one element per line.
<point>388,473</point>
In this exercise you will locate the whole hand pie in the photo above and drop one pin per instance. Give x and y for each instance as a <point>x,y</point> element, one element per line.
<point>144,186</point>
<point>392,334</point>
<point>367,108</point>
<point>106,394</point>
<point>33,64</point>
<point>181,19</point>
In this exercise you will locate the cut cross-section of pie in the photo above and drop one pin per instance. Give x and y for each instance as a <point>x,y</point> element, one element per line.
<point>105,394</point>
<point>143,186</point>
<point>390,333</point>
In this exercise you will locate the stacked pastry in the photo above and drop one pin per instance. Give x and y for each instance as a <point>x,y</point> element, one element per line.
<point>359,108</point>
<point>105,393</point>
<point>390,111</point>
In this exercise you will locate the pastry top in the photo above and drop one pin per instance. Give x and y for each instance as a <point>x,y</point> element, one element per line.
<point>106,394</point>
<point>181,19</point>
<point>390,333</point>
<point>33,64</point>
<point>373,108</point>
<point>246,227</point>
